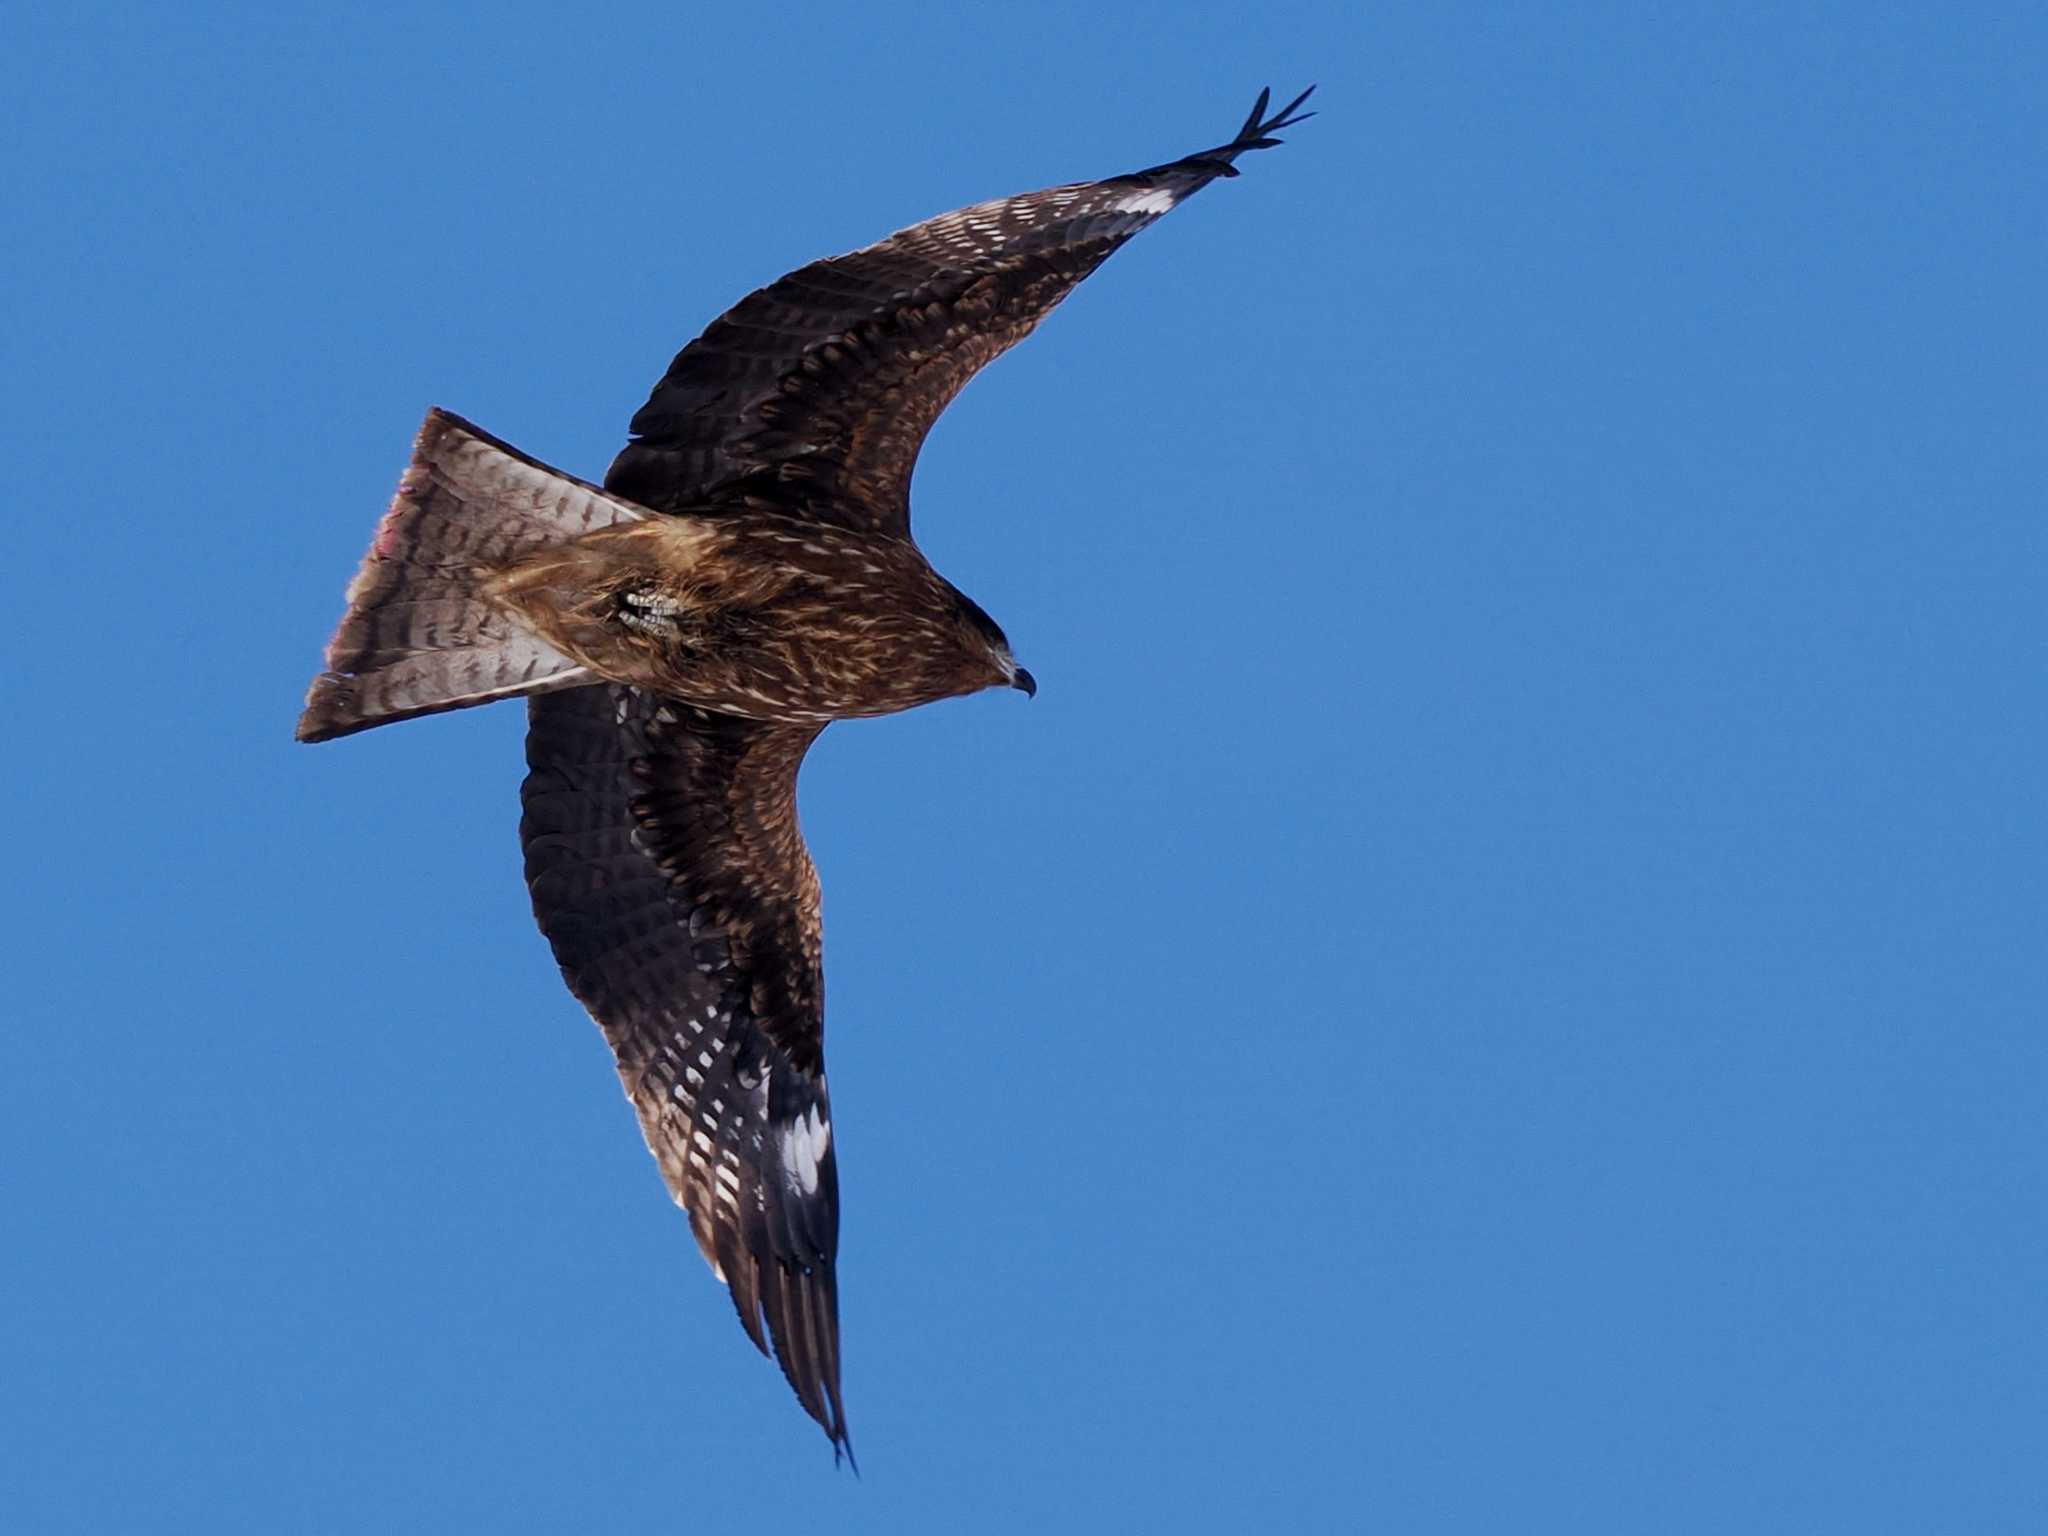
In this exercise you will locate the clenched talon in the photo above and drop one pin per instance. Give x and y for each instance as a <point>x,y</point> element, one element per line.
<point>649,611</point>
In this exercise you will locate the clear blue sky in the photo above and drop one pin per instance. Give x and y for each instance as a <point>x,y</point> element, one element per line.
<point>1499,986</point>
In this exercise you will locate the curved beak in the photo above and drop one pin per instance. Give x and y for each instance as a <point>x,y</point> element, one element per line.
<point>1025,681</point>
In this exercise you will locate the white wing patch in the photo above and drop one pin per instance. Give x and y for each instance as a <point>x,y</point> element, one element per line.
<point>1158,200</point>
<point>804,1143</point>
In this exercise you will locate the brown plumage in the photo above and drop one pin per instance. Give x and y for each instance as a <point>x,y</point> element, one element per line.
<point>744,576</point>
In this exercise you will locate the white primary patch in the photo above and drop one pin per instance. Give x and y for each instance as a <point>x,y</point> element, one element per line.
<point>1158,200</point>
<point>804,1142</point>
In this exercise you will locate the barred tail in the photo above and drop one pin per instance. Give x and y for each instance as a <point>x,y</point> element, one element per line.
<point>420,635</point>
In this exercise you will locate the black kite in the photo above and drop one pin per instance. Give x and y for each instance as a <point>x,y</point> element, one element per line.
<point>745,575</point>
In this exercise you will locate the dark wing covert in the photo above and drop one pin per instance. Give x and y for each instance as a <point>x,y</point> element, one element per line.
<point>827,380</point>
<point>668,872</point>
<point>662,848</point>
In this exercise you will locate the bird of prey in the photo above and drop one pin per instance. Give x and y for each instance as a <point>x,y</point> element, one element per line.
<point>744,576</point>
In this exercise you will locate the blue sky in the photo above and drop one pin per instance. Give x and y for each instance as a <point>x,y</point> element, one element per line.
<point>1498,986</point>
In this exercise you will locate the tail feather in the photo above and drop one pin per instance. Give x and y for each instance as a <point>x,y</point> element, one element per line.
<point>421,634</point>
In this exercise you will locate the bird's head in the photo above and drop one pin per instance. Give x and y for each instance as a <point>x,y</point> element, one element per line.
<point>990,648</point>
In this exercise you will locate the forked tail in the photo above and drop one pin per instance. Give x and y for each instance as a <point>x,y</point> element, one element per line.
<point>420,635</point>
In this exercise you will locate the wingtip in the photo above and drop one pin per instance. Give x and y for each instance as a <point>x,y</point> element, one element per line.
<point>1257,132</point>
<point>1291,113</point>
<point>1258,128</point>
<point>1250,129</point>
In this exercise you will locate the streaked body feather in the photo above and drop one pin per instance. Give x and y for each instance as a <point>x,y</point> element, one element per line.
<point>681,634</point>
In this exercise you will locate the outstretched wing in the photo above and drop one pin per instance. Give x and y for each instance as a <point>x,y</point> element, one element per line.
<point>668,873</point>
<point>817,391</point>
<point>661,841</point>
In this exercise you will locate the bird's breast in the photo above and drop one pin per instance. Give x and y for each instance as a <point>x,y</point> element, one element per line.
<point>765,618</point>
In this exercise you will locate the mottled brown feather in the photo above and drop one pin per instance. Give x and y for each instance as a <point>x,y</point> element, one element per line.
<point>662,846</point>
<point>830,377</point>
<point>668,872</point>
<point>776,589</point>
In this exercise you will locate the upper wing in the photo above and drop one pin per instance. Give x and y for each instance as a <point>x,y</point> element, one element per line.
<point>828,379</point>
<point>668,873</point>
